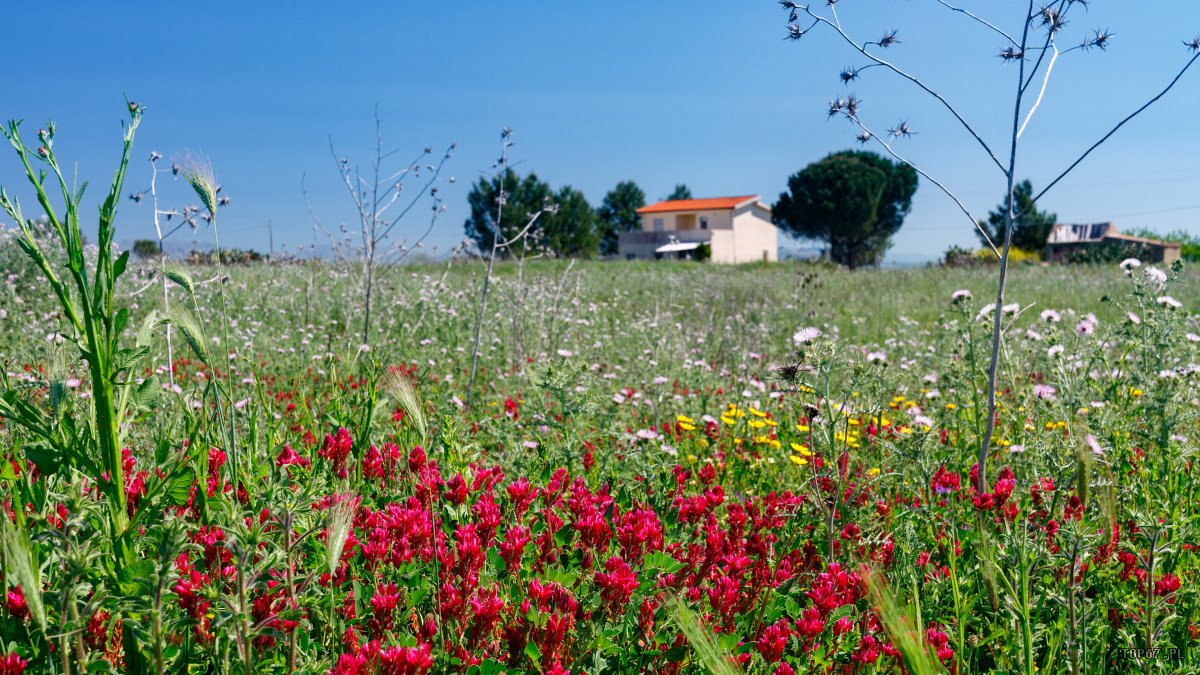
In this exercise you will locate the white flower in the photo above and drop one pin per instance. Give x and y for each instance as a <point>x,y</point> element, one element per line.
<point>1054,351</point>
<point>1157,277</point>
<point>1128,263</point>
<point>72,382</point>
<point>1093,444</point>
<point>985,312</point>
<point>1133,317</point>
<point>1044,392</point>
<point>647,434</point>
<point>1168,301</point>
<point>1012,308</point>
<point>660,380</point>
<point>532,445</point>
<point>963,294</point>
<point>1016,449</point>
<point>805,335</point>
<point>1051,316</point>
<point>564,353</point>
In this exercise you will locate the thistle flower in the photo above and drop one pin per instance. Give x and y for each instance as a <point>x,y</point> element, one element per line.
<point>1099,40</point>
<point>848,74</point>
<point>863,137</point>
<point>806,335</point>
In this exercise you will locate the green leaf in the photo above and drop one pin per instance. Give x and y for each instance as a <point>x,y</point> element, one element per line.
<point>533,653</point>
<point>128,358</point>
<point>135,578</point>
<point>120,264</point>
<point>146,332</point>
<point>180,488</point>
<point>44,457</point>
<point>145,393</point>
<point>22,567</point>
<point>120,321</point>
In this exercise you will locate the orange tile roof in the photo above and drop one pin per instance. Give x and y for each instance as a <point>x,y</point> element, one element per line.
<point>711,204</point>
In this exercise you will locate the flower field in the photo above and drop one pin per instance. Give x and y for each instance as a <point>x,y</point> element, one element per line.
<point>670,468</point>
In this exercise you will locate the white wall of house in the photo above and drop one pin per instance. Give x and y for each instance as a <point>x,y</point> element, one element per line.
<point>754,236</point>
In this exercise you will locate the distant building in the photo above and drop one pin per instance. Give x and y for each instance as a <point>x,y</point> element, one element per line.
<point>737,230</point>
<point>1067,239</point>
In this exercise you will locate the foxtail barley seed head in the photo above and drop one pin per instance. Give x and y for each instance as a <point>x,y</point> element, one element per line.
<point>198,172</point>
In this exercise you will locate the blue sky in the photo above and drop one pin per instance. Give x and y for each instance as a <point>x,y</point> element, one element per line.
<point>701,92</point>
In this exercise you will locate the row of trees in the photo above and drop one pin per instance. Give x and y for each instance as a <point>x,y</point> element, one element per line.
<point>852,201</point>
<point>567,224</point>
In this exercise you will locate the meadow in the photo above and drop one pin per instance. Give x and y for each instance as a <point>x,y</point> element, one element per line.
<point>636,486</point>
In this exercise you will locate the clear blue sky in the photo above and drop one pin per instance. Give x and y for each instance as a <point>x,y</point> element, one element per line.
<point>701,92</point>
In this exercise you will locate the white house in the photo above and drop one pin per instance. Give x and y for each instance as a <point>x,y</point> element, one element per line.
<point>737,229</point>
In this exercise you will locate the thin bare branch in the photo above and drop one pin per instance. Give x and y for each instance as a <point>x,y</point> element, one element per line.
<point>915,80</point>
<point>962,207</point>
<point>983,21</point>
<point>1114,130</point>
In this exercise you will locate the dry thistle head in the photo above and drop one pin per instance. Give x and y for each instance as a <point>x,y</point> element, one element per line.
<point>198,172</point>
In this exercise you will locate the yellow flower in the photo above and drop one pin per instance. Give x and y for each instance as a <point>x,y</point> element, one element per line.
<point>873,472</point>
<point>757,413</point>
<point>704,442</point>
<point>801,427</point>
<point>686,426</point>
<point>951,406</point>
<point>798,461</point>
<point>727,420</point>
<point>853,423</point>
<point>685,419</point>
<point>801,450</point>
<point>757,424</point>
<point>1135,392</point>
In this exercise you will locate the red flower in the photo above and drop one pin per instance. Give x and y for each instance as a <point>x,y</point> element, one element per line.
<point>12,664</point>
<point>617,585</point>
<point>16,604</point>
<point>774,640</point>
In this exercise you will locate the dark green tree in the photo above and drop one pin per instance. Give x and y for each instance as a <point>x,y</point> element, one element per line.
<point>618,213</point>
<point>570,228</point>
<point>1031,228</point>
<point>145,248</point>
<point>852,200</point>
<point>567,225</point>
<point>681,191</point>
<point>523,197</point>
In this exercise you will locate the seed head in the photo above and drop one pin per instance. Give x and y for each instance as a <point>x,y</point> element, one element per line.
<point>889,38</point>
<point>137,197</point>
<point>198,172</point>
<point>1193,44</point>
<point>848,74</point>
<point>863,137</point>
<point>1011,53</point>
<point>1099,40</point>
<point>901,129</point>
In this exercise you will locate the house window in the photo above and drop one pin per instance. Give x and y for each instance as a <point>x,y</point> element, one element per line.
<point>658,224</point>
<point>704,222</point>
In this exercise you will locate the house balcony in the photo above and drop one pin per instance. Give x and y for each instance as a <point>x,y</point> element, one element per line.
<point>650,245</point>
<point>656,239</point>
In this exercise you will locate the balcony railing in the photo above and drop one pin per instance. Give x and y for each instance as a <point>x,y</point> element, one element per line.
<point>660,238</point>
